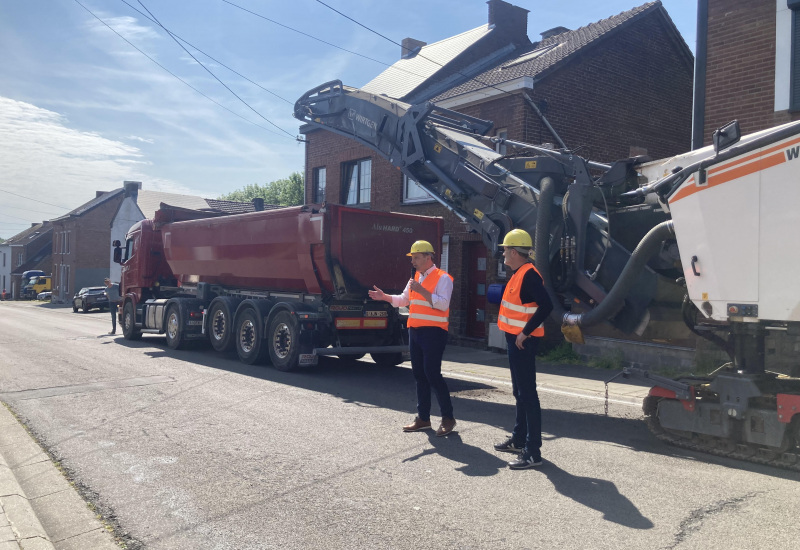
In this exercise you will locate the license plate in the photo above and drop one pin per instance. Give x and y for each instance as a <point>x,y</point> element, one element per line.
<point>308,359</point>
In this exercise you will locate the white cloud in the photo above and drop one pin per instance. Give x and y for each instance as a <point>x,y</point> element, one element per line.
<point>43,158</point>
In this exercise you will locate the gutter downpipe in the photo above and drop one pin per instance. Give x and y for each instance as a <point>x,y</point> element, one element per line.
<point>700,65</point>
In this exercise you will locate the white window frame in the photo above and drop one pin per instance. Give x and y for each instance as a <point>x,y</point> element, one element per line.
<point>501,147</point>
<point>414,193</point>
<point>320,175</point>
<point>363,179</point>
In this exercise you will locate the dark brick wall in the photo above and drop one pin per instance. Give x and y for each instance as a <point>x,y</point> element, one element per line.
<point>740,80</point>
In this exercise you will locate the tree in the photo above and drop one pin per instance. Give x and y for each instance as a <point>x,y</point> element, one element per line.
<point>283,192</point>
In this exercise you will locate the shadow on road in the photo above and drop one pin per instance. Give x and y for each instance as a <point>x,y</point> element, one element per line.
<point>475,461</point>
<point>598,494</point>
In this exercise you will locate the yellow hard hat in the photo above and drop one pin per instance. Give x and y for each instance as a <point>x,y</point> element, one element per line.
<point>421,246</point>
<point>518,237</point>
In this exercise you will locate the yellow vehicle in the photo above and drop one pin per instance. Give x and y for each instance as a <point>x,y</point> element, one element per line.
<point>41,283</point>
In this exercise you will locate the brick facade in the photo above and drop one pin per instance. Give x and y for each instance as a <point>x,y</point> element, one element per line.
<point>740,79</point>
<point>81,244</point>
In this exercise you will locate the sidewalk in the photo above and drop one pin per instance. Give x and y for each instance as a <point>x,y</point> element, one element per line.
<point>34,494</point>
<point>40,510</point>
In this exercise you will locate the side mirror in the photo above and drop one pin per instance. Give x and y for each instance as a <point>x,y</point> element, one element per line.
<point>726,136</point>
<point>117,255</point>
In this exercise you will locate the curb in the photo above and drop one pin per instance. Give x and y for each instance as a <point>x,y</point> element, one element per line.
<point>42,509</point>
<point>17,512</point>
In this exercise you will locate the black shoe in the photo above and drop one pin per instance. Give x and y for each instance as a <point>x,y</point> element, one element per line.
<point>508,446</point>
<point>525,461</point>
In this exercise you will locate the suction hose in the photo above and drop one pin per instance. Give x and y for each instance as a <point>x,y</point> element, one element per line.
<point>542,245</point>
<point>648,246</point>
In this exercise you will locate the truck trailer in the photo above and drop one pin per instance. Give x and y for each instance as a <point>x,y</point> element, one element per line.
<point>285,285</point>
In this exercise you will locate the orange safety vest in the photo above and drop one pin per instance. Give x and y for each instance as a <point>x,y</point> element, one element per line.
<point>420,311</point>
<point>514,315</point>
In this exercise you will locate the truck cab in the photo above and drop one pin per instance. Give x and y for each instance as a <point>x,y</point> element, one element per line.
<point>36,284</point>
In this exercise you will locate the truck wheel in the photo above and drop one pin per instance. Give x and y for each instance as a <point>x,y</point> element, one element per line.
<point>173,328</point>
<point>248,338</point>
<point>129,330</point>
<point>220,325</point>
<point>284,341</point>
<point>387,359</point>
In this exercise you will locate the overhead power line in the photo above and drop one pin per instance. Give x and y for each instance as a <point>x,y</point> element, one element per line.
<point>34,200</point>
<point>209,71</point>
<point>176,76</point>
<point>234,71</point>
<point>418,55</point>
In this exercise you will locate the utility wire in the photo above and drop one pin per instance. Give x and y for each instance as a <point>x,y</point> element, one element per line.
<point>35,200</point>
<point>418,55</point>
<point>176,76</point>
<point>36,211</point>
<point>390,65</point>
<point>234,71</point>
<point>178,42</point>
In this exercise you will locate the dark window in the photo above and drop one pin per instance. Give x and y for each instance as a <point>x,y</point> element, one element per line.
<point>357,182</point>
<point>794,5</point>
<point>320,181</point>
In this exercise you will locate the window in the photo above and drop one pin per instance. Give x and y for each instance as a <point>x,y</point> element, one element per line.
<point>357,182</point>
<point>320,181</point>
<point>794,94</point>
<point>66,238</point>
<point>413,192</point>
<point>445,263</point>
<point>502,133</point>
<point>19,259</point>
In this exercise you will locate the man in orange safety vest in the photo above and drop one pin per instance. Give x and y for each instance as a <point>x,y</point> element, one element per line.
<point>524,307</point>
<point>427,296</point>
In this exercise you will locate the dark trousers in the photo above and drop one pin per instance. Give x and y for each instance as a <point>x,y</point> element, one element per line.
<point>528,425</point>
<point>426,345</point>
<point>113,309</point>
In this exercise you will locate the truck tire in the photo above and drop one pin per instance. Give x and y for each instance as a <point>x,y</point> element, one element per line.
<point>248,337</point>
<point>173,327</point>
<point>220,324</point>
<point>129,330</point>
<point>283,341</point>
<point>387,359</point>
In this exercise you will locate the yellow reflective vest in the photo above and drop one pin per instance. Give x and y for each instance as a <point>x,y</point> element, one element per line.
<point>514,315</point>
<point>420,311</point>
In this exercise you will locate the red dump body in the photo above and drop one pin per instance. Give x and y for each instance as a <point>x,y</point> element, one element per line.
<point>299,249</point>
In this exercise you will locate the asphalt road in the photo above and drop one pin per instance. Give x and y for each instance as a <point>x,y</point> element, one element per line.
<point>195,450</point>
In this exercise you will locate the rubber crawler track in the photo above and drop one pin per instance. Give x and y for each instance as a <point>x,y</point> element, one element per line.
<point>785,461</point>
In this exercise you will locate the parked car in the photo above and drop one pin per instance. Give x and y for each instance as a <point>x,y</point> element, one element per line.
<point>90,297</point>
<point>44,296</point>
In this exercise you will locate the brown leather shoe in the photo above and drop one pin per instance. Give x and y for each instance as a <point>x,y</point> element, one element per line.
<point>417,425</point>
<point>446,426</point>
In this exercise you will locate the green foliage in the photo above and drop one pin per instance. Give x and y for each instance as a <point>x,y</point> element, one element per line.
<point>561,353</point>
<point>284,192</point>
<point>2,240</point>
<point>614,361</point>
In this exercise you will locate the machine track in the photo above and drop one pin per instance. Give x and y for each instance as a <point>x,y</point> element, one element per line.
<point>789,460</point>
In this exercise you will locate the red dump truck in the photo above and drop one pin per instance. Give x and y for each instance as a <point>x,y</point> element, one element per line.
<point>285,285</point>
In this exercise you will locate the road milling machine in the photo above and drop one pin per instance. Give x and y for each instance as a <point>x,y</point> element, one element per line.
<point>718,223</point>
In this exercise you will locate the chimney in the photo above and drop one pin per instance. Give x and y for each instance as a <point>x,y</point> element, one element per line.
<point>512,19</point>
<point>409,47</point>
<point>132,189</point>
<point>553,32</point>
<point>258,204</point>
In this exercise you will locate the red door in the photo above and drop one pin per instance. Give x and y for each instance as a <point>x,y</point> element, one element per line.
<point>476,255</point>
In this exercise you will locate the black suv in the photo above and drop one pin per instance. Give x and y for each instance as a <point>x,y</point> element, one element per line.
<point>89,297</point>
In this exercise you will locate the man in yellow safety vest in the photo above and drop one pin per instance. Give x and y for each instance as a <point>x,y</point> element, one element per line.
<point>524,307</point>
<point>427,296</point>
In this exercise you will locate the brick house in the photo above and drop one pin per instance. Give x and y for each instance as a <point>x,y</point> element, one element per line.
<point>30,249</point>
<point>616,87</point>
<point>748,65</point>
<point>81,240</point>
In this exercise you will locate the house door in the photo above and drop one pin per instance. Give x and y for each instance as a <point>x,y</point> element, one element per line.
<point>476,255</point>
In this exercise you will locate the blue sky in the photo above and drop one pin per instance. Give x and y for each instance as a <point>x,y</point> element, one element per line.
<point>82,110</point>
